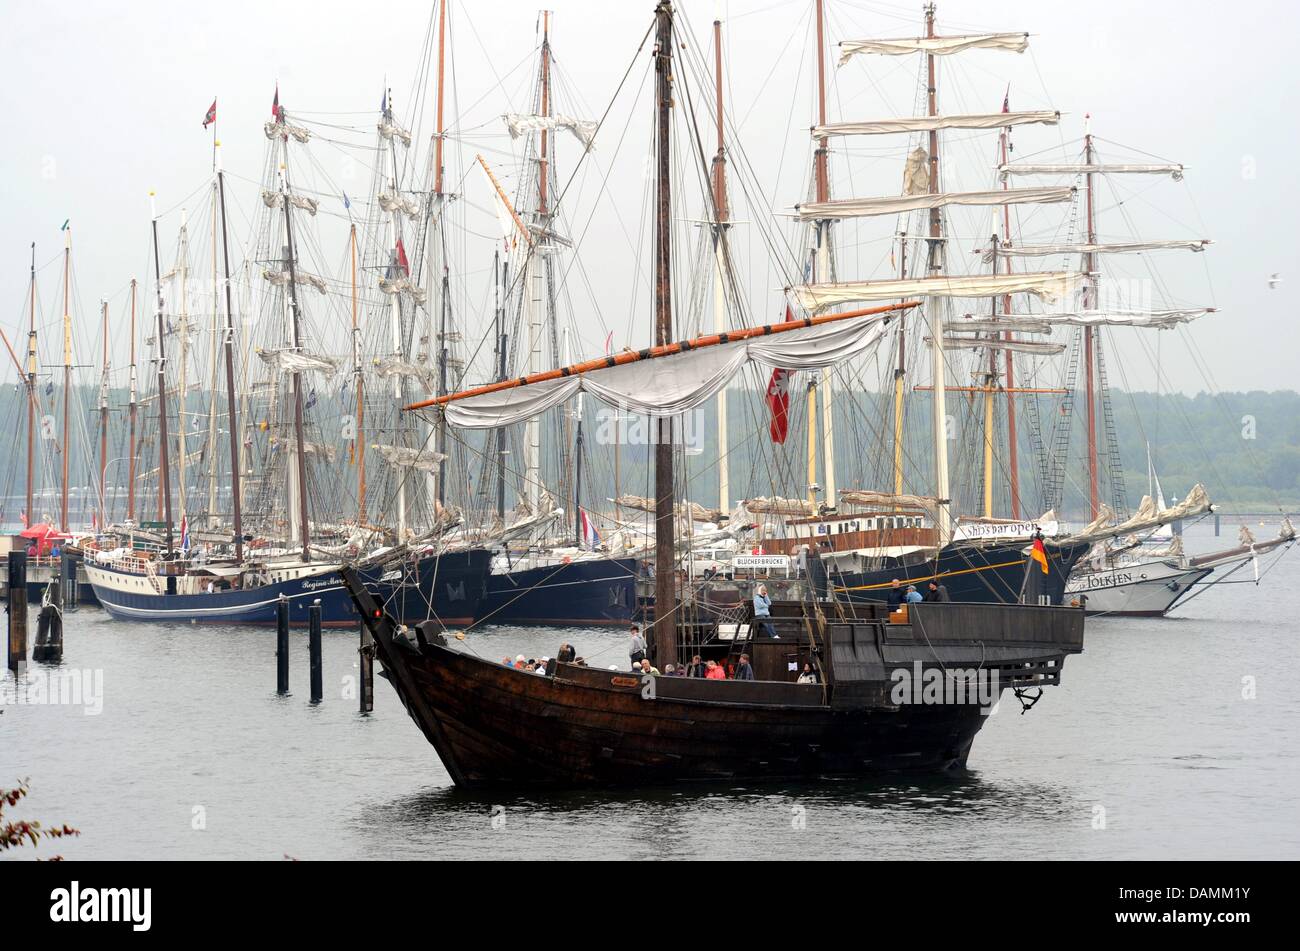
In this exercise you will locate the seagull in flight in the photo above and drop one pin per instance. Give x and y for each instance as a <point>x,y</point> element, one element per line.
<point>1273,281</point>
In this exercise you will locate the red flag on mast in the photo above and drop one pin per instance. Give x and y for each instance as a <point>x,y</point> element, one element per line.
<point>778,398</point>
<point>211,116</point>
<point>401,258</point>
<point>277,112</point>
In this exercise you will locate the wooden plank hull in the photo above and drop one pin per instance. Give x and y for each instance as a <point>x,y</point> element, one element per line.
<point>597,727</point>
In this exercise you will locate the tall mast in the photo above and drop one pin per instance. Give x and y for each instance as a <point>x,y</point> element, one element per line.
<point>935,265</point>
<point>438,198</point>
<point>300,449</point>
<point>824,270</point>
<point>131,415</point>
<point>720,217</point>
<point>164,466</point>
<point>214,356</point>
<point>499,277</point>
<point>400,352</point>
<point>1090,333</point>
<point>229,347</point>
<point>103,423</point>
<point>67,377</point>
<point>183,430</point>
<point>900,372</point>
<point>31,394</point>
<point>359,440</point>
<point>1013,449</point>
<point>665,629</point>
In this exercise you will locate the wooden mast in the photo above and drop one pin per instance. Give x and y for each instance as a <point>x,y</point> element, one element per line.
<point>664,641</point>
<point>935,265</point>
<point>300,453</point>
<point>359,440</point>
<point>900,373</point>
<point>231,413</point>
<point>1090,332</point>
<point>31,396</point>
<point>823,232</point>
<point>103,423</point>
<point>720,217</point>
<point>437,191</point>
<point>1013,449</point>
<point>65,442</point>
<point>131,416</point>
<point>164,467</point>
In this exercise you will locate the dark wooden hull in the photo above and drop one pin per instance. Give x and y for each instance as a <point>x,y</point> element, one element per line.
<point>586,727</point>
<point>580,726</point>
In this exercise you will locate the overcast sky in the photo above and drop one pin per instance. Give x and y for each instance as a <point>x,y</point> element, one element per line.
<point>103,102</point>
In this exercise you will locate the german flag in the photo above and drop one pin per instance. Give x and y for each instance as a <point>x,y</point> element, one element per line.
<point>1039,554</point>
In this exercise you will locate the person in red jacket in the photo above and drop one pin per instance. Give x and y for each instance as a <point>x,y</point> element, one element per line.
<point>715,671</point>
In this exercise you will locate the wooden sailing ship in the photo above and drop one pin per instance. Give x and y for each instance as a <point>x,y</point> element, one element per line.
<point>576,725</point>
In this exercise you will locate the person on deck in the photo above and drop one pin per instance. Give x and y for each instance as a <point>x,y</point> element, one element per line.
<point>743,670</point>
<point>808,676</point>
<point>696,668</point>
<point>636,647</point>
<point>937,592</point>
<point>913,596</point>
<point>646,668</point>
<point>566,654</point>
<point>895,595</point>
<point>715,672</point>
<point>763,611</point>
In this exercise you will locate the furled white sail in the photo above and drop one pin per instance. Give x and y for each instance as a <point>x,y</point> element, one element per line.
<point>1024,325</point>
<point>692,510</point>
<point>1048,286</point>
<point>937,45</point>
<point>899,204</point>
<point>425,460</point>
<point>275,130</point>
<point>776,505</point>
<point>406,206</point>
<point>584,130</point>
<point>281,278</point>
<point>273,199</point>
<point>1176,171</point>
<point>1148,517</point>
<point>983,120</point>
<point>669,386</point>
<point>391,367</point>
<point>1158,319</point>
<point>1109,247</point>
<point>297,361</point>
<point>395,285</point>
<point>916,173</point>
<point>993,343</point>
<point>388,129</point>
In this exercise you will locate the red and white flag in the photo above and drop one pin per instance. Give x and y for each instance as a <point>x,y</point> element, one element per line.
<point>211,116</point>
<point>778,398</point>
<point>402,262</point>
<point>277,111</point>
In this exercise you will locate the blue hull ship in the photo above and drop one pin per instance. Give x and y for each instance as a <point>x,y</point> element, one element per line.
<point>584,592</point>
<point>449,587</point>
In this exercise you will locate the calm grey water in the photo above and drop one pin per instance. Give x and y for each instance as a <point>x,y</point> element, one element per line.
<point>194,756</point>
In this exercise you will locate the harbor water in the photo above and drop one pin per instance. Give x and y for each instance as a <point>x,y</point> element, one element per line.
<point>1170,738</point>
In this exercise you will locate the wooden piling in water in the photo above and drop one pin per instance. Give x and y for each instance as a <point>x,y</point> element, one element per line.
<point>49,626</point>
<point>17,611</point>
<point>366,652</point>
<point>68,574</point>
<point>282,646</point>
<point>313,642</point>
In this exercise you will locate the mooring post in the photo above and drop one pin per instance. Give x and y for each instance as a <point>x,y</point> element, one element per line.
<point>49,626</point>
<point>282,646</point>
<point>313,642</point>
<point>1216,524</point>
<point>367,655</point>
<point>18,611</point>
<point>68,571</point>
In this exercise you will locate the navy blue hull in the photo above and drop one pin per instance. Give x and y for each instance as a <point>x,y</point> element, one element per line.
<point>449,587</point>
<point>600,591</point>
<point>990,574</point>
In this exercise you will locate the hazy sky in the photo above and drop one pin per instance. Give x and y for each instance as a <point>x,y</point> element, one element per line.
<point>104,102</point>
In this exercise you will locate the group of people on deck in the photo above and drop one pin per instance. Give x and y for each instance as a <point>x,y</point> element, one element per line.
<point>899,595</point>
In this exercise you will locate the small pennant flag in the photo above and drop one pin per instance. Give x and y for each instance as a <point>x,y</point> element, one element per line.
<point>1039,553</point>
<point>185,534</point>
<point>211,115</point>
<point>402,262</point>
<point>778,399</point>
<point>347,203</point>
<point>277,111</point>
<point>64,226</point>
<point>383,103</point>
